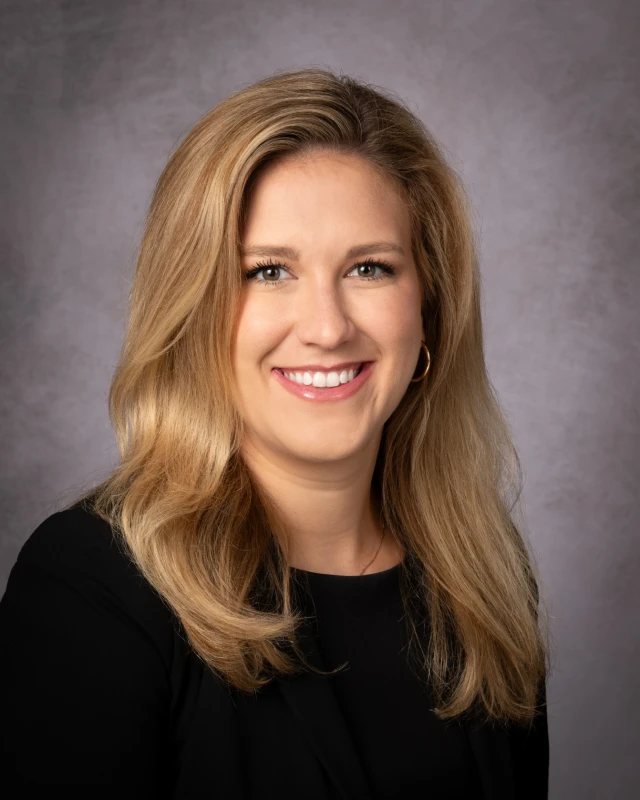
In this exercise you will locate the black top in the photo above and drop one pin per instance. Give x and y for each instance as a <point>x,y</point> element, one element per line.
<point>100,690</point>
<point>406,751</point>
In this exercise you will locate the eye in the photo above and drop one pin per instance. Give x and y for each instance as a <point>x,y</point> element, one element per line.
<point>274,267</point>
<point>370,264</point>
<point>266,267</point>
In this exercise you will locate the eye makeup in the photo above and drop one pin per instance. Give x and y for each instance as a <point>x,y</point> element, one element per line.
<point>387,269</point>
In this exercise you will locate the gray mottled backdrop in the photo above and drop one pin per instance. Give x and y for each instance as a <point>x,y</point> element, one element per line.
<point>537,104</point>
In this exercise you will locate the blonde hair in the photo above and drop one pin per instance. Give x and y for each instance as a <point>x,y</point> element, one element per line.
<point>182,498</point>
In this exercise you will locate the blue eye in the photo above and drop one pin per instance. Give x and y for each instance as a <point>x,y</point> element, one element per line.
<point>385,267</point>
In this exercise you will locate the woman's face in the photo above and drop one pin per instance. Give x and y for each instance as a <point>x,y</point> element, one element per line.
<point>322,308</point>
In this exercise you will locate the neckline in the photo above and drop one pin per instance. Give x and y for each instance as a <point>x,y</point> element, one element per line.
<point>331,576</point>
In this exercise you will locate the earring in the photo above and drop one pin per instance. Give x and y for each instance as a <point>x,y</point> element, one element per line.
<point>424,374</point>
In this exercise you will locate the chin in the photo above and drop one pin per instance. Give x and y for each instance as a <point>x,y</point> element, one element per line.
<point>329,446</point>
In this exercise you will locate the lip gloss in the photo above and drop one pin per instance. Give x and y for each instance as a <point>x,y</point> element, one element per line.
<point>340,392</point>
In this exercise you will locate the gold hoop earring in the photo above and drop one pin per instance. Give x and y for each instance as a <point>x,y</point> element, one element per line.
<point>424,374</point>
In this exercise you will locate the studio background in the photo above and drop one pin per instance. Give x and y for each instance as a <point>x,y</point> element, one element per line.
<point>537,105</point>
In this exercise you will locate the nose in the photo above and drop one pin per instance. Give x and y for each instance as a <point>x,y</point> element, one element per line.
<point>322,315</point>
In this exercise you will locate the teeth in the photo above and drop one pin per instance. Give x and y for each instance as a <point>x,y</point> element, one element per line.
<point>323,380</point>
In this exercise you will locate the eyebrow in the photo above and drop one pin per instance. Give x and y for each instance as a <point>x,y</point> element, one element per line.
<point>294,255</point>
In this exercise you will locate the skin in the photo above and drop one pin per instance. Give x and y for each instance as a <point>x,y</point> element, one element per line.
<point>316,460</point>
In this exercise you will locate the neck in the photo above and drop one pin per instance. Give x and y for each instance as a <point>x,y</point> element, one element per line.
<point>330,511</point>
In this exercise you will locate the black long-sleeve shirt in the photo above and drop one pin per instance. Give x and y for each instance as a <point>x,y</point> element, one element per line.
<point>99,689</point>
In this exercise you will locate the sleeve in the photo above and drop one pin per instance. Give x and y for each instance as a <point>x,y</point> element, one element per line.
<point>530,750</point>
<point>530,745</point>
<point>84,690</point>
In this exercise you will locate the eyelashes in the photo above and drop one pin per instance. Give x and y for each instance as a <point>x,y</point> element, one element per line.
<point>387,269</point>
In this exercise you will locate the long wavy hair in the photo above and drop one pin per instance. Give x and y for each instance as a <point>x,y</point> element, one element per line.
<point>447,475</point>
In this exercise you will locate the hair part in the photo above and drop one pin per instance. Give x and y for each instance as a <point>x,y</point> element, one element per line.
<point>192,516</point>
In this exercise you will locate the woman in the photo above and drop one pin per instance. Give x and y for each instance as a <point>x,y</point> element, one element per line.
<point>303,579</point>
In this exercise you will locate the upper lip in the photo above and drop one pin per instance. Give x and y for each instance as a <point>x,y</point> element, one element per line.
<point>321,368</point>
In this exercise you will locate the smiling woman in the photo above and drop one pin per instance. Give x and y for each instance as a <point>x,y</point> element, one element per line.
<point>325,310</point>
<point>304,578</point>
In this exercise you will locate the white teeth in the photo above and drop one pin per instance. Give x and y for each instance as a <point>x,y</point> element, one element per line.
<point>322,379</point>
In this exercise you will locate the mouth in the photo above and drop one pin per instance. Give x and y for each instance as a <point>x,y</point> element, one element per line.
<point>325,378</point>
<point>324,387</point>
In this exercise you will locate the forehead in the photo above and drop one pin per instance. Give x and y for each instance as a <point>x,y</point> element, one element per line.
<point>324,194</point>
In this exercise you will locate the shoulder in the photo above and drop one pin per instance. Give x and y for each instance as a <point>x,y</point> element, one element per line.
<point>90,663</point>
<point>76,553</point>
<point>76,540</point>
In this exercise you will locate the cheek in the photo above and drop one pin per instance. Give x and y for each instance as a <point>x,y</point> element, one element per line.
<point>257,333</point>
<point>397,329</point>
<point>396,321</point>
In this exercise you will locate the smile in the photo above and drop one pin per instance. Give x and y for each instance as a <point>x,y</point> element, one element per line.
<point>322,380</point>
<point>324,386</point>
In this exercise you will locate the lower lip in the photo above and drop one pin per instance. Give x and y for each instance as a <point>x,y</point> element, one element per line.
<point>325,395</point>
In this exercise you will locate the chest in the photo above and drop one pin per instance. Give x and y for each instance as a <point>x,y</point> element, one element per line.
<point>367,732</point>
